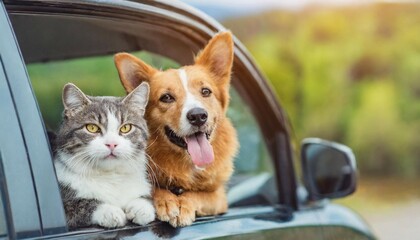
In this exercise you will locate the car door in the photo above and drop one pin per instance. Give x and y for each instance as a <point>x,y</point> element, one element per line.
<point>256,214</point>
<point>30,193</point>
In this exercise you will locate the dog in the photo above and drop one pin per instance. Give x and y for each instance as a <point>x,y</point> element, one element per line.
<point>192,142</point>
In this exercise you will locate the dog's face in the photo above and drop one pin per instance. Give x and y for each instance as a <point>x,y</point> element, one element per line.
<point>185,104</point>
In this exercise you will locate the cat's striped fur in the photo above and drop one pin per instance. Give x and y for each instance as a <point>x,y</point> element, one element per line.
<point>103,174</point>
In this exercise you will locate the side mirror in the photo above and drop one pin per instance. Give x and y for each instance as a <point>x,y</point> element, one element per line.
<point>329,169</point>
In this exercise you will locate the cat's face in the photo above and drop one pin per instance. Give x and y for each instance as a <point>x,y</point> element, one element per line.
<point>102,132</point>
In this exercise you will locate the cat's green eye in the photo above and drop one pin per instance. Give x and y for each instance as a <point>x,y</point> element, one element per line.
<point>93,128</point>
<point>125,128</point>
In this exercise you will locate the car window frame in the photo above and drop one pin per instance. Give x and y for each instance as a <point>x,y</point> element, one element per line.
<point>195,28</point>
<point>257,94</point>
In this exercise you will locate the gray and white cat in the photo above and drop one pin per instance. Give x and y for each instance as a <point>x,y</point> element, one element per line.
<point>100,159</point>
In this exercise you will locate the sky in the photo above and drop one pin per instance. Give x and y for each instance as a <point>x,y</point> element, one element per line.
<point>221,9</point>
<point>271,3</point>
<point>285,4</point>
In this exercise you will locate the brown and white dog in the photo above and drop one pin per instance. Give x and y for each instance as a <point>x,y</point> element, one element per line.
<point>192,142</point>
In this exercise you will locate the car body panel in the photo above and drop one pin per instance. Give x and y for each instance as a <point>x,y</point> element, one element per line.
<point>19,195</point>
<point>248,223</point>
<point>239,221</point>
<point>336,218</point>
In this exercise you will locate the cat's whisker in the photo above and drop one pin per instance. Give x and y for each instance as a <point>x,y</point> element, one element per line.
<point>82,163</point>
<point>150,160</point>
<point>152,173</point>
<point>150,144</point>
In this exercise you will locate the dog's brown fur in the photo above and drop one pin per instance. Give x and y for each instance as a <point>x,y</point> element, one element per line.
<point>204,189</point>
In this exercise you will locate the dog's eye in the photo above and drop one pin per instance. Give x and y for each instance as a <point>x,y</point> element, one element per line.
<point>167,98</point>
<point>205,92</point>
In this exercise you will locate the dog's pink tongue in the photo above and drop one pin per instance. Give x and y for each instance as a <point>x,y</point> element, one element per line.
<point>200,149</point>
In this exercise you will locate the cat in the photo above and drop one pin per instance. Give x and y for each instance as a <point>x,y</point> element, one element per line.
<point>100,159</point>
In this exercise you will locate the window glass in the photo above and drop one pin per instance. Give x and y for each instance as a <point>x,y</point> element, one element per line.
<point>253,156</point>
<point>252,182</point>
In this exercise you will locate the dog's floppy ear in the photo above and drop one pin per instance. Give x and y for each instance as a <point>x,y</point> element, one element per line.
<point>132,70</point>
<point>217,56</point>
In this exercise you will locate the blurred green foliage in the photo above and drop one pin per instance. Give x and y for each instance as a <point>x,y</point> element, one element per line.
<point>95,76</point>
<point>350,75</point>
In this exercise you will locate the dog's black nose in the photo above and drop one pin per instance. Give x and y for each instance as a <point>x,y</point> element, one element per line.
<point>197,116</point>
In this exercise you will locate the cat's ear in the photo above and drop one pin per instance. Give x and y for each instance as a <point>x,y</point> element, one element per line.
<point>73,97</point>
<point>132,70</point>
<point>139,97</point>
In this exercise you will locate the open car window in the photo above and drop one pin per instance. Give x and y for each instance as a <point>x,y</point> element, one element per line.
<point>84,40</point>
<point>252,182</point>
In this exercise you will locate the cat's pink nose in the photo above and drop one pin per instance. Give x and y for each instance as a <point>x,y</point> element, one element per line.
<point>111,146</point>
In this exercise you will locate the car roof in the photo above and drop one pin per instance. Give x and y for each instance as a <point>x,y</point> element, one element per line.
<point>109,28</point>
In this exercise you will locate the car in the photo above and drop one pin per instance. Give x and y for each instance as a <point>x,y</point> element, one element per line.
<point>267,196</point>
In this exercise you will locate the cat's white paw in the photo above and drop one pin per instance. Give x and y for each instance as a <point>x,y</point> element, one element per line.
<point>109,216</point>
<point>140,211</point>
